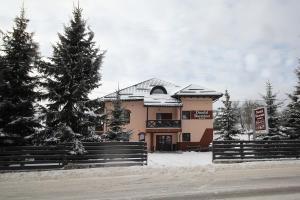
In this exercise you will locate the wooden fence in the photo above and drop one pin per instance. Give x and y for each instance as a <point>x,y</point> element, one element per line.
<point>59,157</point>
<point>237,151</point>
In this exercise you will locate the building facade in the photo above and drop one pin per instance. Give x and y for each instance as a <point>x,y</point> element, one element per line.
<point>166,116</point>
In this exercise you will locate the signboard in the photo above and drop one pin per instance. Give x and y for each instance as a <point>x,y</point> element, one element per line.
<point>260,120</point>
<point>197,114</point>
<point>201,114</point>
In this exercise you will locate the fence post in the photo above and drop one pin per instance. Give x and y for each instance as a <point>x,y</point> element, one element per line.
<point>242,149</point>
<point>65,155</point>
<point>145,148</point>
<point>213,151</point>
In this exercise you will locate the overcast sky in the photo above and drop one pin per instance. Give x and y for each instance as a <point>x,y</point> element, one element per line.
<point>234,45</point>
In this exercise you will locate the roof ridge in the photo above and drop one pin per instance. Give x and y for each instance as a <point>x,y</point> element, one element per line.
<point>130,86</point>
<point>199,86</point>
<point>140,83</point>
<point>196,85</point>
<point>183,88</point>
<point>167,82</point>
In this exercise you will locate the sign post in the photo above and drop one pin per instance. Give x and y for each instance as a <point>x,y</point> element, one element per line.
<point>260,121</point>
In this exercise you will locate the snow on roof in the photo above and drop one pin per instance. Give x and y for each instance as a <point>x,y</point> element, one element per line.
<point>161,100</point>
<point>196,90</point>
<point>141,91</point>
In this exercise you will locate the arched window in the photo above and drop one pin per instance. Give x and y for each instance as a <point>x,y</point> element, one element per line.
<point>126,116</point>
<point>158,90</point>
<point>141,136</point>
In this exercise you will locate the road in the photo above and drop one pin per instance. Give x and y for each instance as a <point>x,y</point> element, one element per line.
<point>265,180</point>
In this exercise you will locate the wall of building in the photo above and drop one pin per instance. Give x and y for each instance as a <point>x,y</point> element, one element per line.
<point>138,118</point>
<point>196,127</point>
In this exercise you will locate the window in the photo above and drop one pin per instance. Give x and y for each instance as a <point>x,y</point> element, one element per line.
<point>186,137</point>
<point>126,116</point>
<point>141,136</point>
<point>158,90</point>
<point>163,116</point>
<point>186,115</point>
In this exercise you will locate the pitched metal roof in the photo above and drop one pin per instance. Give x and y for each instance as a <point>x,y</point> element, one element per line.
<point>141,91</point>
<point>161,100</point>
<point>196,90</point>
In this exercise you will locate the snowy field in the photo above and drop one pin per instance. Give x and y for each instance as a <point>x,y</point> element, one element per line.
<point>179,159</point>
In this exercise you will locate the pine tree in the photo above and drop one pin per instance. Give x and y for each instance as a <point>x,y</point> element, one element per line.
<point>273,116</point>
<point>292,122</point>
<point>216,122</point>
<point>116,123</point>
<point>17,86</point>
<point>227,120</point>
<point>70,76</point>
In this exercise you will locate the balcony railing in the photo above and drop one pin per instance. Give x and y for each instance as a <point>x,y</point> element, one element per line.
<point>163,123</point>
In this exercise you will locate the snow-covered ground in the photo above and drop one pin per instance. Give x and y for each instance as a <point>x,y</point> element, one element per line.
<point>179,159</point>
<point>270,180</point>
<point>186,175</point>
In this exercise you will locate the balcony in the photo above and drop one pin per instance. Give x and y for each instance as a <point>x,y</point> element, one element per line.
<point>163,124</point>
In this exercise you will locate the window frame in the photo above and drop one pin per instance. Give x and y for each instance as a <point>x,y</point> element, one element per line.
<point>184,137</point>
<point>126,115</point>
<point>182,115</point>
<point>161,88</point>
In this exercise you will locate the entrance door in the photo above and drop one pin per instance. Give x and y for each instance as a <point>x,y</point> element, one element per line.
<point>164,142</point>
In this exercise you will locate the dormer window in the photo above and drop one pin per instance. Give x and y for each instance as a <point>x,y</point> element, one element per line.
<point>158,90</point>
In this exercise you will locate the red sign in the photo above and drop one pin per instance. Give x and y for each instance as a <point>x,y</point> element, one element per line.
<point>260,120</point>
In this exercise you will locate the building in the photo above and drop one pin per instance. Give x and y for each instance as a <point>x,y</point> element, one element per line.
<point>165,115</point>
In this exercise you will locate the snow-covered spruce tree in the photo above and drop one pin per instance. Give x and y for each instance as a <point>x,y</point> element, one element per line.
<point>273,116</point>
<point>292,121</point>
<point>116,122</point>
<point>17,86</point>
<point>216,122</point>
<point>70,76</point>
<point>227,120</point>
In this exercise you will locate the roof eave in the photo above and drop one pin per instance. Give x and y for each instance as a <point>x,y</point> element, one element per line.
<point>110,100</point>
<point>214,97</point>
<point>161,105</point>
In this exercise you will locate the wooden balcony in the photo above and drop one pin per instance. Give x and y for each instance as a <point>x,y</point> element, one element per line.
<point>163,124</point>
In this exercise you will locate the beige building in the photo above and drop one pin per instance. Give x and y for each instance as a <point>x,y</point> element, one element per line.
<point>166,116</point>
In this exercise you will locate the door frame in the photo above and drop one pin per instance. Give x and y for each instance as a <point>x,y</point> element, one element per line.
<point>164,147</point>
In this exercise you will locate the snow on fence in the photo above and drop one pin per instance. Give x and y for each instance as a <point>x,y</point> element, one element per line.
<point>238,151</point>
<point>59,157</point>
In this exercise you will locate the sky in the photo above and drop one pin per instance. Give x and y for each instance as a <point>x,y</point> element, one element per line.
<point>218,44</point>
